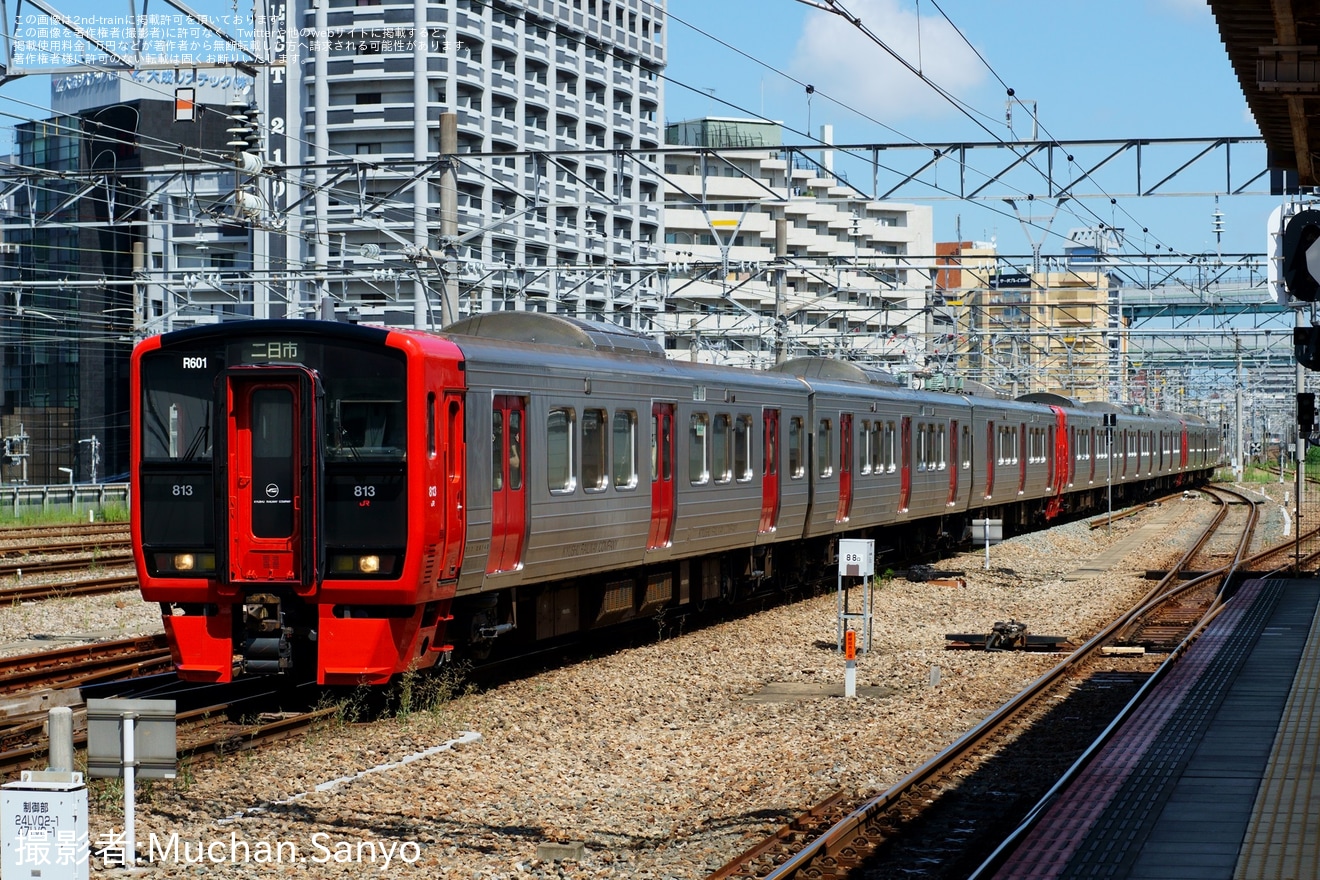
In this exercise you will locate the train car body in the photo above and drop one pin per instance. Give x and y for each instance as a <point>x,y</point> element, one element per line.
<point>352,502</point>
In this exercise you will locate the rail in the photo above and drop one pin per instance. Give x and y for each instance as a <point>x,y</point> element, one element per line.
<point>848,838</point>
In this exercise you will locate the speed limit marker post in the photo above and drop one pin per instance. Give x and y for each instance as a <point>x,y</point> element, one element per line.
<point>850,663</point>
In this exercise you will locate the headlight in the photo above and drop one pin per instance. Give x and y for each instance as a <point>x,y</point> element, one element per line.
<point>185,562</point>
<point>362,564</point>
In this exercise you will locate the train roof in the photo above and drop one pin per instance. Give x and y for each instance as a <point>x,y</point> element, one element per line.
<point>275,327</point>
<point>560,330</point>
<point>827,368</point>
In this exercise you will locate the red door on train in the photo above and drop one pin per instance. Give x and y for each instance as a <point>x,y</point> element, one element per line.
<point>905,466</point>
<point>845,468</point>
<point>770,472</point>
<point>662,476</point>
<point>508,491</point>
<point>270,443</point>
<point>953,464</point>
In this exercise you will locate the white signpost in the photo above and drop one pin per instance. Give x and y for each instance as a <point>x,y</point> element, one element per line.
<point>988,531</point>
<point>856,560</point>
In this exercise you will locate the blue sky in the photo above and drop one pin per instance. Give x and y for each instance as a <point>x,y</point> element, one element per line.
<point>1114,69</point>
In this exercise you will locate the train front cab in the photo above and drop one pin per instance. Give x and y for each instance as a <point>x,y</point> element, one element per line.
<point>272,487</point>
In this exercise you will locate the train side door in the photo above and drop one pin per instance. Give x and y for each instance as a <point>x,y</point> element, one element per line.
<point>953,463</point>
<point>271,445</point>
<point>1095,453</point>
<point>770,472</point>
<point>455,500</point>
<point>845,468</point>
<point>662,476</point>
<point>991,450</point>
<point>508,491</point>
<point>1022,459</point>
<point>905,468</point>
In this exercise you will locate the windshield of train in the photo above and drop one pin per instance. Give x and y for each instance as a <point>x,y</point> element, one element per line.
<point>364,416</point>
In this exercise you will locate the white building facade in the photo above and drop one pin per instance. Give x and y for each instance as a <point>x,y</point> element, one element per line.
<point>853,276</point>
<point>557,102</point>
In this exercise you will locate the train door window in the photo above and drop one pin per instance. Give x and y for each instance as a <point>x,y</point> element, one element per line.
<point>965,448</point>
<point>699,449</point>
<point>941,447</point>
<point>430,425</point>
<point>273,458</point>
<point>796,467</point>
<point>559,450</point>
<point>595,454</point>
<point>719,448</point>
<point>825,448</point>
<point>877,454</point>
<point>742,448</point>
<point>497,450</point>
<point>625,449</point>
<point>515,449</point>
<point>662,461</point>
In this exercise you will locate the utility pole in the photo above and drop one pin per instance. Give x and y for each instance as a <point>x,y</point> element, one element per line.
<point>781,284</point>
<point>449,216</point>
<point>1238,457</point>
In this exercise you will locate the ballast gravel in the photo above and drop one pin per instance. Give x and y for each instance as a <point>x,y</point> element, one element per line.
<point>661,761</point>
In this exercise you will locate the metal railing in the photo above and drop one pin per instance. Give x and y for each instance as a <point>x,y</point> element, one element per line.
<point>16,500</point>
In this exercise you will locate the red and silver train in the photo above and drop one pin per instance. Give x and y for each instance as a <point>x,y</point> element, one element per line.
<point>358,501</point>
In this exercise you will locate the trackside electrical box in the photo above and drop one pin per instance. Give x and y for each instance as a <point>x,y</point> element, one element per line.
<point>43,827</point>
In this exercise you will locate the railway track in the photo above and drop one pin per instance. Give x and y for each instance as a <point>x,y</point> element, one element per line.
<point>79,665</point>
<point>949,814</point>
<point>31,540</point>
<point>64,589</point>
<point>118,556</point>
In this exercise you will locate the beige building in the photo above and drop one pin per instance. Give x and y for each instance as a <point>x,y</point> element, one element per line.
<point>1049,331</point>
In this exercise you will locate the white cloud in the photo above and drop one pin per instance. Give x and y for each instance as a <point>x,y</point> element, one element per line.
<point>1191,9</point>
<point>843,63</point>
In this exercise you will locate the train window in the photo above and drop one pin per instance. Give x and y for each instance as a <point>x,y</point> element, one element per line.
<point>595,477</point>
<point>699,449</point>
<point>922,451</point>
<point>430,424</point>
<point>864,438</point>
<point>941,448</point>
<point>661,427</point>
<point>559,450</point>
<point>965,448</point>
<point>889,453</point>
<point>365,429</point>
<point>742,448</point>
<point>877,454</point>
<point>795,467</point>
<point>720,449</point>
<point>497,450</point>
<point>824,449</point>
<point>176,411</point>
<point>625,449</point>
<point>515,449</point>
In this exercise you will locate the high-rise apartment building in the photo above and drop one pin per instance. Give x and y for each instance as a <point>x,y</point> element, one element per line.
<point>557,102</point>
<point>853,280</point>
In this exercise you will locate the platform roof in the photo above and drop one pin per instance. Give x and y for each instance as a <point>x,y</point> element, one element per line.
<point>1274,47</point>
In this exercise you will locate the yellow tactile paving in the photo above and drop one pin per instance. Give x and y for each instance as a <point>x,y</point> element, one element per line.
<point>1283,838</point>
